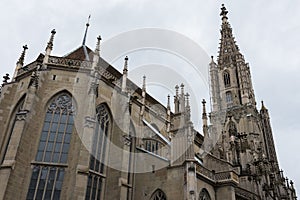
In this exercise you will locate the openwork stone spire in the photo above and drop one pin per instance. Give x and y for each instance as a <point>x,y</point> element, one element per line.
<point>228,49</point>
<point>234,71</point>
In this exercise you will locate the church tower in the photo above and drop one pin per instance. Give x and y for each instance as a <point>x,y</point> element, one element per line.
<point>240,134</point>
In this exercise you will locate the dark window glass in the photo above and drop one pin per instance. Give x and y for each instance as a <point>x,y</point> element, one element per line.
<point>46,126</point>
<point>61,128</point>
<point>226,77</point>
<point>53,127</point>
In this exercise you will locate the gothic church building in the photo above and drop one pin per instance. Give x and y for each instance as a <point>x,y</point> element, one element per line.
<point>74,127</point>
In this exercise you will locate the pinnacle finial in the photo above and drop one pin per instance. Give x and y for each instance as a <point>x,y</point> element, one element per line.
<point>22,57</point>
<point>98,44</point>
<point>223,12</point>
<point>212,62</point>
<point>182,88</point>
<point>5,78</point>
<point>50,43</point>
<point>187,95</point>
<point>144,82</point>
<point>203,104</point>
<point>203,108</point>
<point>263,106</point>
<point>176,88</point>
<point>168,103</point>
<point>86,30</point>
<point>125,64</point>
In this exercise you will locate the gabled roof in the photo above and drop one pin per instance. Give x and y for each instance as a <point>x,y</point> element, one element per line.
<point>81,53</point>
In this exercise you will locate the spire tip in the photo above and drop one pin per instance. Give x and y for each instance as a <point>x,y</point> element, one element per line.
<point>224,12</point>
<point>86,29</point>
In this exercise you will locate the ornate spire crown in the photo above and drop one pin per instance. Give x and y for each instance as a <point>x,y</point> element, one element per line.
<point>228,48</point>
<point>223,12</point>
<point>50,43</point>
<point>22,57</point>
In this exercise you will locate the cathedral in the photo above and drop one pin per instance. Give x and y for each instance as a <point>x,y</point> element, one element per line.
<point>74,127</point>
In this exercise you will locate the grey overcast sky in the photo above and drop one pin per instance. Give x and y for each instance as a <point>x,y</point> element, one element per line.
<point>267,32</point>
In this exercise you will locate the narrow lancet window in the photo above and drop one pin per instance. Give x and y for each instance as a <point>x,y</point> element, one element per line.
<point>98,152</point>
<point>226,77</point>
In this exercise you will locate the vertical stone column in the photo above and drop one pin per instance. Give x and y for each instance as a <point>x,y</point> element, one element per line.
<point>86,135</point>
<point>191,186</point>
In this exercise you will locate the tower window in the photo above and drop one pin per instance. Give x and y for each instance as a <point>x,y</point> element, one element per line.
<point>229,97</point>
<point>226,77</point>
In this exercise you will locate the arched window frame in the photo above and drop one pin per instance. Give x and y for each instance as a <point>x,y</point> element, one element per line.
<point>7,137</point>
<point>226,78</point>
<point>52,153</point>
<point>204,195</point>
<point>229,99</point>
<point>158,195</point>
<point>97,162</point>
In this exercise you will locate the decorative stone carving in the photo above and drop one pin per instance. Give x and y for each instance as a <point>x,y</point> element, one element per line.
<point>89,122</point>
<point>34,80</point>
<point>21,115</point>
<point>127,140</point>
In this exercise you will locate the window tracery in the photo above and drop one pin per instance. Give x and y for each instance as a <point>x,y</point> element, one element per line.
<point>226,77</point>
<point>204,195</point>
<point>158,195</point>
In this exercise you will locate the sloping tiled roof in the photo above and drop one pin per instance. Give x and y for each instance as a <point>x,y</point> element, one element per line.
<point>80,53</point>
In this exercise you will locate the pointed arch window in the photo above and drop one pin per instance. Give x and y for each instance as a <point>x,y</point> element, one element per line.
<point>51,158</point>
<point>158,195</point>
<point>97,158</point>
<point>226,77</point>
<point>204,195</point>
<point>7,137</point>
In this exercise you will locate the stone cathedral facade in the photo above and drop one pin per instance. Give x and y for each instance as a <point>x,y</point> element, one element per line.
<point>74,127</point>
